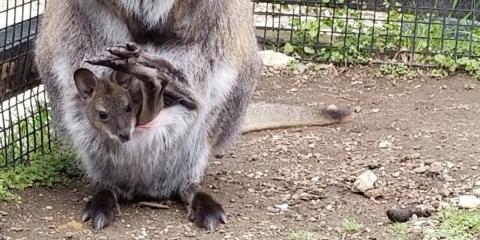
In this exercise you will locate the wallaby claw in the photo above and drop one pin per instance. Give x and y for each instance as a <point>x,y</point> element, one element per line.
<point>125,51</point>
<point>113,62</point>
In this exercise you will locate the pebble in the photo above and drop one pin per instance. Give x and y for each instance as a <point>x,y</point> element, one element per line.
<point>385,144</point>
<point>468,201</point>
<point>374,193</point>
<point>49,207</point>
<point>364,182</point>
<point>476,191</point>
<point>282,207</point>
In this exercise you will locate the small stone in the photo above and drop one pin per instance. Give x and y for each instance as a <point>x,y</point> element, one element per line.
<point>357,109</point>
<point>375,110</point>
<point>436,168</point>
<point>468,201</point>
<point>477,184</point>
<point>311,145</point>
<point>364,182</point>
<point>3,213</point>
<point>449,164</point>
<point>421,169</point>
<point>385,144</point>
<point>476,191</point>
<point>399,215</point>
<point>282,207</point>
<point>374,193</point>
<point>49,207</point>
<point>396,174</point>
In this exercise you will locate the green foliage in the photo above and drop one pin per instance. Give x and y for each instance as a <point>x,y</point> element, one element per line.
<point>303,235</point>
<point>358,40</point>
<point>351,225</point>
<point>400,231</point>
<point>28,158</point>
<point>457,225</point>
<point>47,169</point>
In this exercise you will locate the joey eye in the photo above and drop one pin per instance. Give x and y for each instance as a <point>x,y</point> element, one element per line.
<point>128,109</point>
<point>103,115</point>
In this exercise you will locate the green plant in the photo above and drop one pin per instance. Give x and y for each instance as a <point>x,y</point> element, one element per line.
<point>303,235</point>
<point>400,231</point>
<point>26,147</point>
<point>457,225</point>
<point>359,41</point>
<point>43,169</point>
<point>351,225</point>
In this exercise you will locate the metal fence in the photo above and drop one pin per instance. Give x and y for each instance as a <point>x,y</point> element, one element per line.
<point>24,120</point>
<point>415,32</point>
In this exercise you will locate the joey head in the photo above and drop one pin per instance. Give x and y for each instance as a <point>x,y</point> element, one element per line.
<point>110,108</point>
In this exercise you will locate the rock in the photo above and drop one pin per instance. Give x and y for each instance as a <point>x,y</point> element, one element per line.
<point>282,207</point>
<point>468,201</point>
<point>385,144</point>
<point>374,193</point>
<point>476,191</point>
<point>49,207</point>
<point>477,184</point>
<point>436,168</point>
<point>275,59</point>
<point>3,213</point>
<point>399,215</point>
<point>421,169</point>
<point>364,182</point>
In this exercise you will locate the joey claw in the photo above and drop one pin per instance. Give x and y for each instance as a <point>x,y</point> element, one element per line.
<point>205,212</point>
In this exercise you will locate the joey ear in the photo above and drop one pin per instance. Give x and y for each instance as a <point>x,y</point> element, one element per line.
<point>86,82</point>
<point>180,97</point>
<point>122,79</point>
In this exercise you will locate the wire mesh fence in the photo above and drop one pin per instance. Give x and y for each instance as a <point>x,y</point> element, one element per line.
<point>24,120</point>
<point>429,32</point>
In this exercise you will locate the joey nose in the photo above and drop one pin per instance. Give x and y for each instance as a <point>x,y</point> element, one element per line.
<point>124,135</point>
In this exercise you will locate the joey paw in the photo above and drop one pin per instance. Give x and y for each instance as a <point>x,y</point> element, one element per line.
<point>205,212</point>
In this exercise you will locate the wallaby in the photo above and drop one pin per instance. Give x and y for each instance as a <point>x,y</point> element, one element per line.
<point>213,60</point>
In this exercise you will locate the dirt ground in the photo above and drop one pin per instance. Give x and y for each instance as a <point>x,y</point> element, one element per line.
<point>419,136</point>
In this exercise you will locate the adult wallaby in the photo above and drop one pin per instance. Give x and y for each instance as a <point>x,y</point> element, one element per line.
<point>211,47</point>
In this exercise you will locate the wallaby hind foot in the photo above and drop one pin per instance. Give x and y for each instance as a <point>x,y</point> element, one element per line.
<point>101,209</point>
<point>203,210</point>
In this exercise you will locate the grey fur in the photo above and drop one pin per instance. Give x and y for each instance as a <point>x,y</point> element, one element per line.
<point>211,42</point>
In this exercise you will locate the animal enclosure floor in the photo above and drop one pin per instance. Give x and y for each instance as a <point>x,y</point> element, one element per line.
<point>419,136</point>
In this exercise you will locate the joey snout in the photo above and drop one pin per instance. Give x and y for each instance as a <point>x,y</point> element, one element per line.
<point>124,135</point>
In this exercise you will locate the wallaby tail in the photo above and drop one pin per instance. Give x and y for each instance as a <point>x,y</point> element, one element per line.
<point>263,116</point>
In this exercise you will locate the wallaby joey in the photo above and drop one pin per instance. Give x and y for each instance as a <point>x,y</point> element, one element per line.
<point>132,96</point>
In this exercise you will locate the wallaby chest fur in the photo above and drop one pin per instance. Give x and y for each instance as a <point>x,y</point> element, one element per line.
<point>211,42</point>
